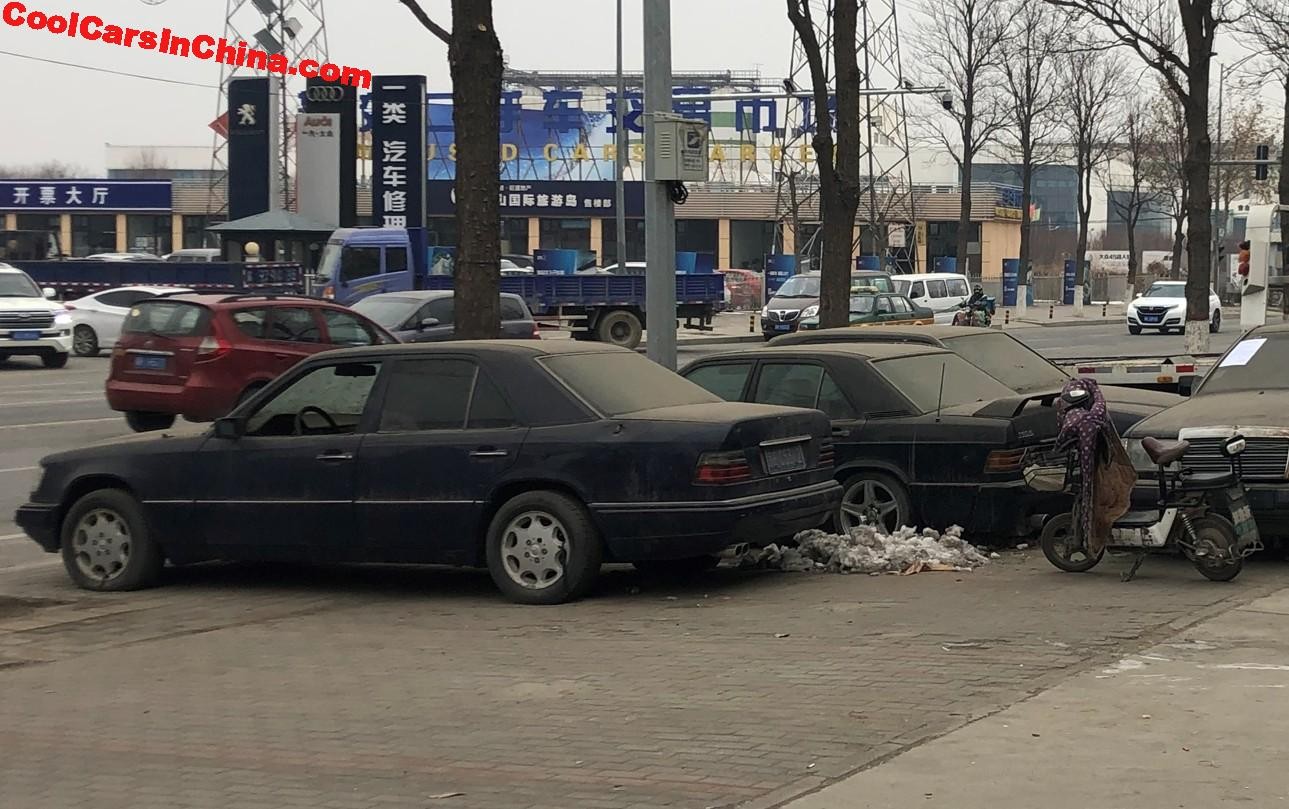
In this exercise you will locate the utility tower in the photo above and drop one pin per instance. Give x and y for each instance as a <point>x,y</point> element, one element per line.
<point>887,201</point>
<point>294,28</point>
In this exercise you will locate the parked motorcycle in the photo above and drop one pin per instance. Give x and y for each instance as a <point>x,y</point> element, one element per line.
<point>1186,517</point>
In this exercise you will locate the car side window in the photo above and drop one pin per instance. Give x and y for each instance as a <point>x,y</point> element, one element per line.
<point>428,395</point>
<point>250,321</point>
<point>958,287</point>
<point>884,306</point>
<point>395,259</point>
<point>726,380</point>
<point>441,309</point>
<point>359,262</point>
<point>832,401</point>
<point>325,401</point>
<point>790,384</point>
<point>936,288</point>
<point>346,330</point>
<point>918,290</point>
<point>901,305</point>
<point>488,407</point>
<point>295,325</point>
<point>123,298</point>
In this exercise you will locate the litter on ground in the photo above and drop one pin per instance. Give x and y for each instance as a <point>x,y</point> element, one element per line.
<point>867,550</point>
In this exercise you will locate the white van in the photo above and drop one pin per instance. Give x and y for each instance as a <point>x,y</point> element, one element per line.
<point>941,292</point>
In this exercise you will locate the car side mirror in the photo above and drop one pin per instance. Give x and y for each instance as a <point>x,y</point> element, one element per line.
<point>49,292</point>
<point>1186,385</point>
<point>228,429</point>
<point>429,322</point>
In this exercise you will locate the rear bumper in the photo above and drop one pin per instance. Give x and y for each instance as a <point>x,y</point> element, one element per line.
<point>196,402</point>
<point>678,530</point>
<point>40,522</point>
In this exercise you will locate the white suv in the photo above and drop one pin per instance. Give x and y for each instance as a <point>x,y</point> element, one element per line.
<point>30,323</point>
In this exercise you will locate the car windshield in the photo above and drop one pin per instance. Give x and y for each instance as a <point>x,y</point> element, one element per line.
<point>1166,291</point>
<point>388,312</point>
<point>167,318</point>
<point>862,304</point>
<point>615,383</point>
<point>1258,362</point>
<point>17,285</point>
<point>1008,360</point>
<point>919,379</point>
<point>329,264</point>
<point>799,286</point>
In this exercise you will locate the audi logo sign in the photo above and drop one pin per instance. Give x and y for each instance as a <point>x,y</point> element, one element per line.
<point>325,94</point>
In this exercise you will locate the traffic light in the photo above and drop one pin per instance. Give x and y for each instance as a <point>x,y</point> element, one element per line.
<point>1262,153</point>
<point>1242,266</point>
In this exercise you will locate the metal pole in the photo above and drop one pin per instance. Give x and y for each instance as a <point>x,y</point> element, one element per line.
<point>1218,232</point>
<point>660,214</point>
<point>620,125</point>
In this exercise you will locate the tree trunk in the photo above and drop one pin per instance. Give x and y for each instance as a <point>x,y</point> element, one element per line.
<point>1026,200</point>
<point>1283,189</point>
<point>1179,237</point>
<point>1199,210</point>
<point>964,212</point>
<point>1133,213</point>
<point>475,59</point>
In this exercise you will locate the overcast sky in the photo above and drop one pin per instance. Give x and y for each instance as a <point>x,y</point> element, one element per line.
<point>68,113</point>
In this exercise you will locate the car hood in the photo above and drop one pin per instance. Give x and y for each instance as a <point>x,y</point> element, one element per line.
<point>796,304</point>
<point>1234,409</point>
<point>29,305</point>
<point>1157,302</point>
<point>128,446</point>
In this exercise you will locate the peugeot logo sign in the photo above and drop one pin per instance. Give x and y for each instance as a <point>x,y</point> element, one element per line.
<point>331,94</point>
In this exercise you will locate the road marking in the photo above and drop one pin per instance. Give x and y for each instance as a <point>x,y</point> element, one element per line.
<point>52,402</point>
<point>12,536</point>
<point>18,469</point>
<point>55,423</point>
<point>29,566</point>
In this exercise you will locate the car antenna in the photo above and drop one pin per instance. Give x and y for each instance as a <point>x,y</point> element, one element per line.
<point>939,401</point>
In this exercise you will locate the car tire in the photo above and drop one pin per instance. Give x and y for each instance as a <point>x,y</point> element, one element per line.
<point>107,545</point>
<point>1215,325</point>
<point>528,570</point>
<point>85,341</point>
<point>686,568</point>
<point>1134,330</point>
<point>54,360</point>
<point>865,491</point>
<point>620,328</point>
<point>142,422</point>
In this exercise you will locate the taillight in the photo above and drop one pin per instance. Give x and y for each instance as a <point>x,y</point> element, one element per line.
<point>537,332</point>
<point>1004,460</point>
<point>329,292</point>
<point>212,348</point>
<point>715,468</point>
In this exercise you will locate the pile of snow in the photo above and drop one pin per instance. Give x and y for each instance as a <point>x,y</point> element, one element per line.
<point>867,550</point>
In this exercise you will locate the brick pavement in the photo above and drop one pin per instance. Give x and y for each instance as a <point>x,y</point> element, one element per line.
<point>243,687</point>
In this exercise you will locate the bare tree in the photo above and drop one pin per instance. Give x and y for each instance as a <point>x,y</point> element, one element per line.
<point>1268,21</point>
<point>1029,74</point>
<point>49,170</point>
<point>1149,28</point>
<point>476,65</point>
<point>1166,168</point>
<point>838,164</point>
<point>962,44</point>
<point>1091,98</point>
<point>1130,194</point>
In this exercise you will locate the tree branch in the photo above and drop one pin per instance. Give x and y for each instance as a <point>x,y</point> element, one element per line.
<point>424,19</point>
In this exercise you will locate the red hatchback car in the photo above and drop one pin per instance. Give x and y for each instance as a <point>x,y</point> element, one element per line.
<point>199,356</point>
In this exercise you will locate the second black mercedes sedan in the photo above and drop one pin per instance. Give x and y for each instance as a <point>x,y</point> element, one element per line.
<point>538,460</point>
<point>922,437</point>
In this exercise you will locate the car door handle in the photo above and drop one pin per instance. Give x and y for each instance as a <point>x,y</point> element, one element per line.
<point>335,457</point>
<point>489,453</point>
<point>840,432</point>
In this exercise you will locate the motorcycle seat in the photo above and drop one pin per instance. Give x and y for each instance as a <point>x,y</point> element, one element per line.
<point>1204,481</point>
<point>1162,453</point>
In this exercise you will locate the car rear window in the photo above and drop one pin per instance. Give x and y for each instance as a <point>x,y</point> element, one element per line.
<point>512,309</point>
<point>615,383</point>
<point>919,379</point>
<point>168,319</point>
<point>1007,359</point>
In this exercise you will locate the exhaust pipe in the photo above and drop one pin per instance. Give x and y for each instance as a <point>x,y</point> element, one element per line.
<point>734,552</point>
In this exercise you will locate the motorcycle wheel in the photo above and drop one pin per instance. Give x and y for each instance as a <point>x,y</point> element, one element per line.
<point>1062,549</point>
<point>1217,535</point>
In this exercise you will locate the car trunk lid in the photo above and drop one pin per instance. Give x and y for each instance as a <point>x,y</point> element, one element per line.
<point>161,340</point>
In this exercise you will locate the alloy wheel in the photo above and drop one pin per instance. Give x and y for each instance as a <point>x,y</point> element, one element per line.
<point>534,550</point>
<point>870,502</point>
<point>102,543</point>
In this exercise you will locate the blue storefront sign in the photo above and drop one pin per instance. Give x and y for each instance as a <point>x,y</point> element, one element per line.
<point>779,267</point>
<point>690,263</point>
<point>398,151</point>
<point>1011,280</point>
<point>556,262</point>
<point>551,198</point>
<point>946,264</point>
<point>1070,282</point>
<point>868,263</point>
<point>57,196</point>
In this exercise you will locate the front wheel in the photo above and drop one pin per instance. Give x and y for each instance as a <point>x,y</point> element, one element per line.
<point>1063,549</point>
<point>85,341</point>
<point>142,422</point>
<point>106,543</point>
<point>1215,542</point>
<point>54,360</point>
<point>542,548</point>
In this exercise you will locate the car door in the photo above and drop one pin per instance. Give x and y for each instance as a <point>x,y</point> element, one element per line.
<point>445,435</point>
<point>885,310</point>
<point>440,309</point>
<point>284,489</point>
<point>810,384</point>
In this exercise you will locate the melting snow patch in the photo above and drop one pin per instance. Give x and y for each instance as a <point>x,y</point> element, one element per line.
<point>866,550</point>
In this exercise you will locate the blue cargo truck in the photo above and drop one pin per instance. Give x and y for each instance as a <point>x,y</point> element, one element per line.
<point>605,307</point>
<point>75,278</point>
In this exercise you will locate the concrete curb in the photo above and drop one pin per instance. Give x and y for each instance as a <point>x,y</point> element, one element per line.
<point>694,341</point>
<point>1047,324</point>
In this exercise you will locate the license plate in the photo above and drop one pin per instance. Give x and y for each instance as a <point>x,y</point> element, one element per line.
<point>146,362</point>
<point>24,335</point>
<point>1150,318</point>
<point>779,460</point>
<point>783,327</point>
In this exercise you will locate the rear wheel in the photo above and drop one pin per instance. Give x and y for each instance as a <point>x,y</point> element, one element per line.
<point>620,328</point>
<point>54,360</point>
<point>1215,325</point>
<point>142,422</point>
<point>85,341</point>
<point>1063,549</point>
<point>1134,330</point>
<point>872,498</point>
<point>543,549</point>
<point>247,394</point>
<point>106,543</point>
<point>1215,543</point>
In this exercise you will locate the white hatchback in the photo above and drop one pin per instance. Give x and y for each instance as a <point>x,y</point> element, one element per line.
<point>1163,307</point>
<point>97,318</point>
